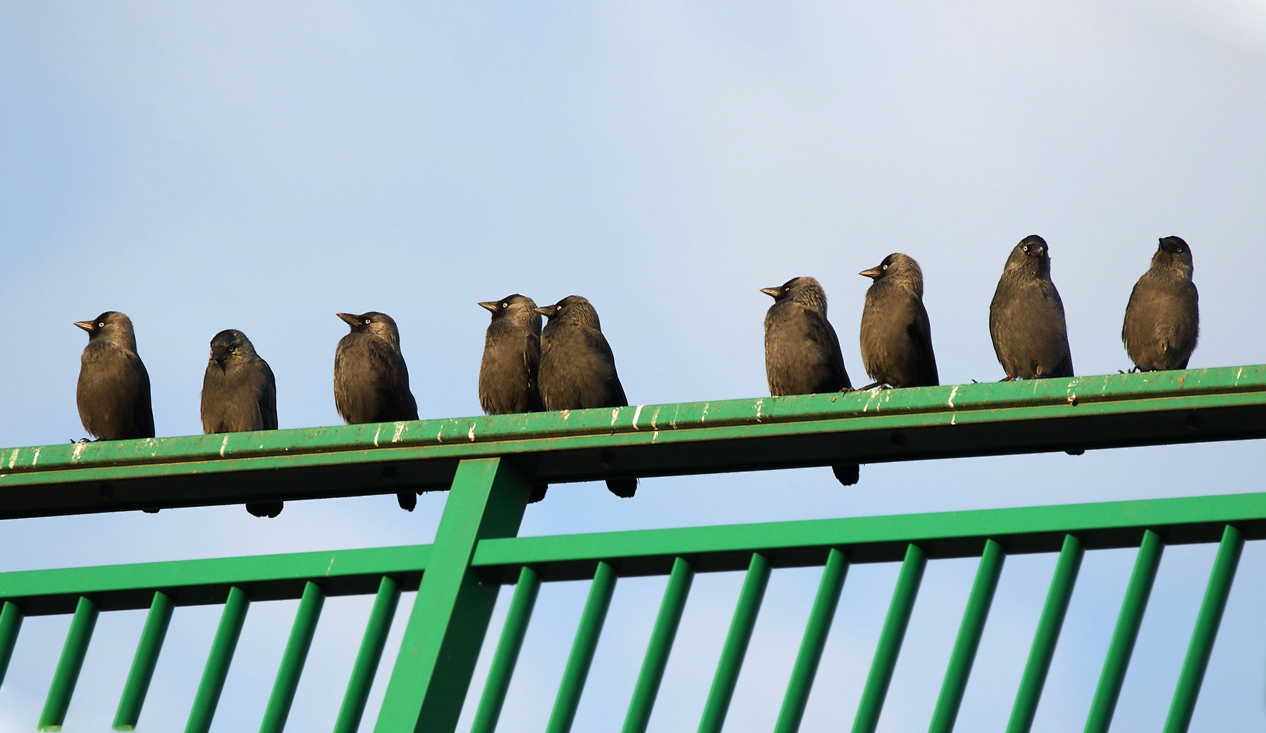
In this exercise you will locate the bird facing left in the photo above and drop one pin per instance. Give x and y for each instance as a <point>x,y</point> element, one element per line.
<point>113,390</point>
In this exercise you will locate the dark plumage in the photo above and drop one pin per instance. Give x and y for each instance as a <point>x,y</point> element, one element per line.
<point>1026,317</point>
<point>371,381</point>
<point>239,393</point>
<point>802,352</point>
<point>512,358</point>
<point>1162,320</point>
<point>896,336</point>
<point>578,368</point>
<point>113,391</point>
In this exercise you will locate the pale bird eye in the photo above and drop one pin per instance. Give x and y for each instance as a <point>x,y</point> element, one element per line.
<point>101,325</point>
<point>505,305</point>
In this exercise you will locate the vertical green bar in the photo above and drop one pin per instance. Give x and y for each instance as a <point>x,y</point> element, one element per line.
<point>68,667</point>
<point>1127,631</point>
<point>371,648</point>
<point>815,634</point>
<point>1047,635</point>
<point>1206,631</point>
<point>968,641</point>
<point>293,658</point>
<point>218,661</point>
<point>657,650</point>
<point>507,653</point>
<point>144,662</point>
<point>582,649</point>
<point>731,662</point>
<point>894,632</point>
<point>454,603</point>
<point>10,624</point>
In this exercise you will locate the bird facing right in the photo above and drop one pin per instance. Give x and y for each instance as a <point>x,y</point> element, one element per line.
<point>113,390</point>
<point>508,374</point>
<point>896,336</point>
<point>1026,317</point>
<point>1162,320</point>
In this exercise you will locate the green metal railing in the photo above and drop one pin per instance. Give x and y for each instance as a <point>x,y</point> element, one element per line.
<point>489,466</point>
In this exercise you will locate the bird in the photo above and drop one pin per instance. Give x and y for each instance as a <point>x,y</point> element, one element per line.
<point>239,393</point>
<point>512,357</point>
<point>1162,320</point>
<point>1026,317</point>
<point>896,336</point>
<point>802,352</point>
<point>371,380</point>
<point>113,391</point>
<point>578,368</point>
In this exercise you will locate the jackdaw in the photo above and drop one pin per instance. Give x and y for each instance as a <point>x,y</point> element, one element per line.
<point>239,393</point>
<point>113,392</point>
<point>802,352</point>
<point>578,368</point>
<point>1026,317</point>
<point>512,359</point>
<point>896,336</point>
<point>1162,321</point>
<point>371,381</point>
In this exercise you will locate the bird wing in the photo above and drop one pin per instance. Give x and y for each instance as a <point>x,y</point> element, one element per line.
<point>144,416</point>
<point>614,390</point>
<point>821,331</point>
<point>393,374</point>
<point>268,398</point>
<point>920,332</point>
<point>532,367</point>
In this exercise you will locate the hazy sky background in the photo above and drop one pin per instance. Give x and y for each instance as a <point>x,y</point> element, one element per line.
<point>262,166</point>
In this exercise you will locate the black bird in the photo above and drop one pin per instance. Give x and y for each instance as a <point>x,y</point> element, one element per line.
<point>802,352</point>
<point>896,335</point>
<point>578,368</point>
<point>1026,317</point>
<point>371,381</point>
<point>113,391</point>
<point>512,359</point>
<point>239,393</point>
<point>1162,321</point>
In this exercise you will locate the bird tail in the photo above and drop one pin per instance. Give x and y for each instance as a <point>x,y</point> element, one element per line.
<point>268,509</point>
<point>408,500</point>
<point>847,473</point>
<point>624,488</point>
<point>538,492</point>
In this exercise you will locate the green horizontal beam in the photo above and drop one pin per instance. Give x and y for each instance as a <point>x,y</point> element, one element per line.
<point>1107,411</point>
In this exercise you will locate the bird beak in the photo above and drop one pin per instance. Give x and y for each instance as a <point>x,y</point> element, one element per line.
<point>85,325</point>
<point>548,311</point>
<point>490,305</point>
<point>349,319</point>
<point>771,292</point>
<point>873,273</point>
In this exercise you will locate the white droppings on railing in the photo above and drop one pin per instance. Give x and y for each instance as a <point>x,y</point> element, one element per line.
<point>760,404</point>
<point>615,415</point>
<point>704,416</point>
<point>471,433</point>
<point>14,458</point>
<point>1238,372</point>
<point>223,445</point>
<point>439,435</point>
<point>74,456</point>
<point>954,419</point>
<point>636,414</point>
<point>376,433</point>
<point>953,394</point>
<point>655,421</point>
<point>400,426</point>
<point>566,414</point>
<point>36,458</point>
<point>329,568</point>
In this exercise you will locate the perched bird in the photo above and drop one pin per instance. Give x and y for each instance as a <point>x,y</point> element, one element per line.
<point>512,359</point>
<point>1162,321</point>
<point>113,392</point>
<point>1026,317</point>
<point>371,381</point>
<point>802,352</point>
<point>239,393</point>
<point>578,368</point>
<point>896,335</point>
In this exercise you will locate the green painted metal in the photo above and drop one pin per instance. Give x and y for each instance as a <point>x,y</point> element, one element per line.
<point>1046,636</point>
<point>968,641</point>
<point>582,650</point>
<point>292,660</point>
<point>641,440</point>
<point>736,641</point>
<point>218,660</point>
<point>450,614</point>
<point>894,632</point>
<point>1127,630</point>
<point>815,634</point>
<point>659,647</point>
<point>10,625</point>
<point>507,653</point>
<point>143,664</point>
<point>69,666</point>
<point>370,654</point>
<point>1206,631</point>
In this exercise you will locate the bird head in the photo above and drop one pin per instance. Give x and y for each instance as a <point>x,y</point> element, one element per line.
<point>1173,252</point>
<point>111,326</point>
<point>574,309</point>
<point>803,290</point>
<point>897,267</point>
<point>515,309</point>
<point>374,323</point>
<point>230,343</point>
<point>1030,256</point>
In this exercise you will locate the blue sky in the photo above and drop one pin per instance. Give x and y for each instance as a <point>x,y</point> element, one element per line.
<point>262,166</point>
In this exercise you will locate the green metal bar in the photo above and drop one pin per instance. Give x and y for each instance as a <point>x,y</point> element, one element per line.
<point>969,633</point>
<point>10,625</point>
<point>370,654</point>
<point>143,664</point>
<point>582,650</point>
<point>1128,622</point>
<point>814,642</point>
<point>293,659</point>
<point>1206,631</point>
<point>69,666</point>
<point>894,632</point>
<point>218,661</point>
<point>1047,636</point>
<point>736,641</point>
<point>453,606</point>
<point>507,653</point>
<point>657,650</point>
